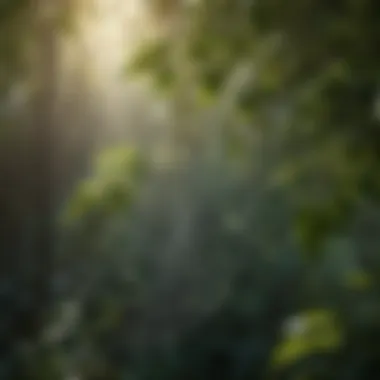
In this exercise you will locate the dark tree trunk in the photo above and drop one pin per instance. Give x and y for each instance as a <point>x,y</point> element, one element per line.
<point>44,74</point>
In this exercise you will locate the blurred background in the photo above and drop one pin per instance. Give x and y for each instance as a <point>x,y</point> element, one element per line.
<point>189,189</point>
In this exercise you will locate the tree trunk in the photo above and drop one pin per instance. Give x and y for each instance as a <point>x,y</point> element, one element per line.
<point>44,72</point>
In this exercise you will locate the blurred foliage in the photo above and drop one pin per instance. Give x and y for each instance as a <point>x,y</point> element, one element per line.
<point>322,69</point>
<point>204,269</point>
<point>313,332</point>
<point>112,187</point>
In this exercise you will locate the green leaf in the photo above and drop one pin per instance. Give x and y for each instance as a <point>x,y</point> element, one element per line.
<point>152,56</point>
<point>117,173</point>
<point>313,332</point>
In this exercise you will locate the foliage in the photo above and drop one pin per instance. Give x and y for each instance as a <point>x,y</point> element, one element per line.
<point>203,269</point>
<point>312,332</point>
<point>321,70</point>
<point>112,187</point>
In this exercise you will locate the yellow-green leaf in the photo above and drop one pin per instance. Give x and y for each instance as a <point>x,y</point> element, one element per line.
<point>312,332</point>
